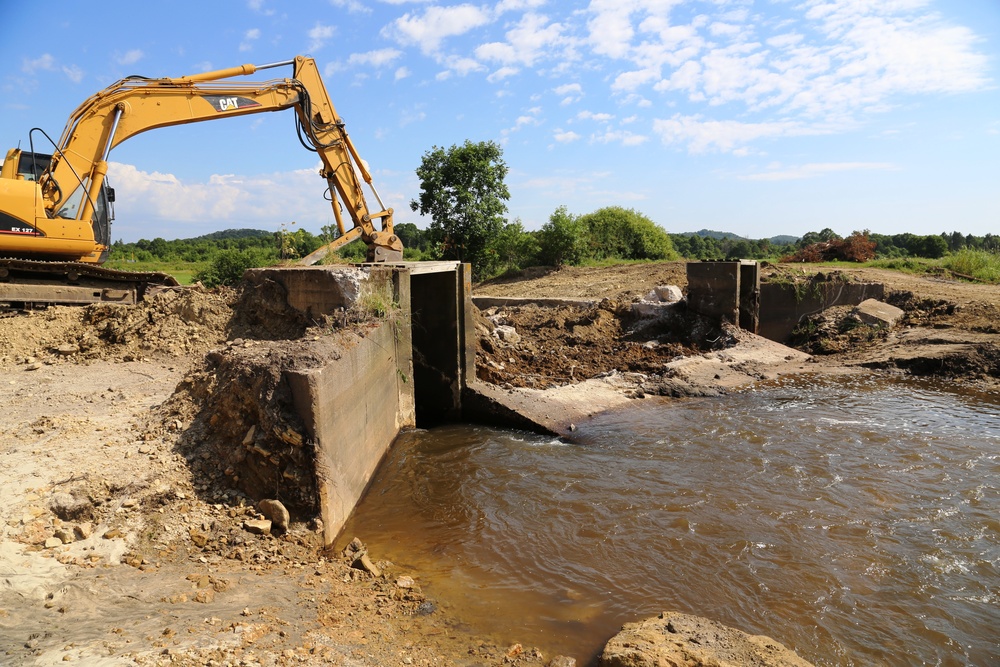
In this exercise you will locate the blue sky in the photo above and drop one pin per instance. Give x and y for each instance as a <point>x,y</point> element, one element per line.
<point>760,118</point>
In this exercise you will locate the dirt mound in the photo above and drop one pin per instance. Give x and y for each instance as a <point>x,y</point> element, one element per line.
<point>173,323</point>
<point>531,346</point>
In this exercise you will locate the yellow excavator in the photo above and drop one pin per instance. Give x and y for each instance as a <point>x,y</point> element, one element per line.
<point>55,206</point>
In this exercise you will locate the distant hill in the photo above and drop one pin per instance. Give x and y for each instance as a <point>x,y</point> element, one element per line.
<point>709,233</point>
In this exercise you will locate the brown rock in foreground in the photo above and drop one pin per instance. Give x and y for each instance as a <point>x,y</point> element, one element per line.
<point>673,639</point>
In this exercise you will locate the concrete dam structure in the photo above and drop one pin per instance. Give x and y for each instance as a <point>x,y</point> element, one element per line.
<point>344,358</point>
<point>306,417</point>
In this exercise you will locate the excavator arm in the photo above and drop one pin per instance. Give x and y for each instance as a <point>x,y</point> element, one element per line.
<point>55,217</point>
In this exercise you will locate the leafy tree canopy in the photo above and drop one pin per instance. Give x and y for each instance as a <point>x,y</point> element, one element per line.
<point>462,188</point>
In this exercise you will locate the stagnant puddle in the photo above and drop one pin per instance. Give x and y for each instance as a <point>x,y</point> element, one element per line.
<point>857,521</point>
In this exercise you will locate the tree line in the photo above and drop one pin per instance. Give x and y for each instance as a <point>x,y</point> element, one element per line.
<point>463,192</point>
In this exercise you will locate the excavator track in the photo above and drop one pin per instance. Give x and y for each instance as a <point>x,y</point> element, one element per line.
<point>26,283</point>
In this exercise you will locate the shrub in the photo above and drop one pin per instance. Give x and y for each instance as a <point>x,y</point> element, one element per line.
<point>616,232</point>
<point>229,265</point>
<point>562,240</point>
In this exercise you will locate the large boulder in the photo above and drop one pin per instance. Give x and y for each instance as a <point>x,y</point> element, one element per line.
<point>673,639</point>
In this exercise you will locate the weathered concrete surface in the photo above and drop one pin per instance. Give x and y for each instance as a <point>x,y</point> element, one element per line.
<point>714,290</point>
<point>313,290</point>
<point>783,306</point>
<point>673,639</point>
<point>553,411</point>
<point>353,408</point>
<point>558,410</point>
<point>878,313</point>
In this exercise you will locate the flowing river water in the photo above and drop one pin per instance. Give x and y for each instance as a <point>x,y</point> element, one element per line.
<point>856,520</point>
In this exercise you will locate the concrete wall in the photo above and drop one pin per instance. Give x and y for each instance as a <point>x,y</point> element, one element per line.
<point>784,306</point>
<point>714,290</point>
<point>353,408</point>
<point>733,292</point>
<point>407,370</point>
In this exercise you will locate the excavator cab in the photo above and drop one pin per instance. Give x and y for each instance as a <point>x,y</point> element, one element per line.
<point>31,166</point>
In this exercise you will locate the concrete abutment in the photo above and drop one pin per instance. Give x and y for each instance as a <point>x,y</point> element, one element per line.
<point>352,390</point>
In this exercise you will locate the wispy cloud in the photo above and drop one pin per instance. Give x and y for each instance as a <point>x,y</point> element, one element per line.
<point>249,37</point>
<point>129,57</point>
<point>43,62</point>
<point>565,136</point>
<point>319,35</point>
<point>47,63</point>
<point>353,6</point>
<point>700,136</point>
<point>815,170</point>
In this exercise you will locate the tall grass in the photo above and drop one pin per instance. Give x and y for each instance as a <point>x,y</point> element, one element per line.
<point>979,264</point>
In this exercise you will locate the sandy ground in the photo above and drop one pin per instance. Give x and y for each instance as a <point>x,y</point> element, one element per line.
<point>120,546</point>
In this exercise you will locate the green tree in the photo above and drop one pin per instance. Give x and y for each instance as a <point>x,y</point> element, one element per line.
<point>462,188</point>
<point>933,247</point>
<point>563,239</point>
<point>513,248</point>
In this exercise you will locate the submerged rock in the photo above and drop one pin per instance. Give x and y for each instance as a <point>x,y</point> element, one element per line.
<point>673,639</point>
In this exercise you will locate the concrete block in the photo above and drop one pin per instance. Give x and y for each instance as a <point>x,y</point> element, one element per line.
<point>714,290</point>
<point>314,290</point>
<point>878,313</point>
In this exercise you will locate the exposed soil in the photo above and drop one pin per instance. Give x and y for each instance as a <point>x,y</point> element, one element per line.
<point>125,539</point>
<point>950,328</point>
<point>123,536</point>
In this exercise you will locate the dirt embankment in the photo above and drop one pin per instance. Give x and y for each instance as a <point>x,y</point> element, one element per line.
<point>124,538</point>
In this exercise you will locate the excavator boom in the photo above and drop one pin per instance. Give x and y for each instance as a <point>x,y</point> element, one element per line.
<point>54,215</point>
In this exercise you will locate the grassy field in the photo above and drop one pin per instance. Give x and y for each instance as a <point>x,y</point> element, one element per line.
<point>184,272</point>
<point>979,265</point>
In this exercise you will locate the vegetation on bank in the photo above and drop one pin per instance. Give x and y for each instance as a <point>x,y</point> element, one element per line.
<point>607,236</point>
<point>464,194</point>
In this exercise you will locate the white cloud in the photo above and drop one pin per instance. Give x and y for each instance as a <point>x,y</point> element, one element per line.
<point>377,58</point>
<point>42,62</point>
<point>502,73</point>
<point>623,137</point>
<point>568,89</point>
<point>249,37</point>
<point>318,36</point>
<point>565,136</point>
<point>258,7</point>
<point>461,66</point>
<point>261,200</point>
<point>352,6</point>
<point>526,43</point>
<point>817,169</point>
<point>429,29</point>
<point>825,62</point>
<point>517,5</point>
<point>130,57</point>
<point>73,73</point>
<point>723,135</point>
<point>599,117</point>
<point>401,73</point>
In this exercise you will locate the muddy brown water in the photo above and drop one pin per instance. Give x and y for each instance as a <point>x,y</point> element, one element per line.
<point>857,521</point>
